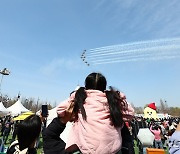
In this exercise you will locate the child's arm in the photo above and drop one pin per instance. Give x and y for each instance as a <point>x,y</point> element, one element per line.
<point>152,130</point>
<point>61,108</point>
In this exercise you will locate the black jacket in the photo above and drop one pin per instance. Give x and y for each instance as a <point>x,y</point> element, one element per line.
<point>52,143</point>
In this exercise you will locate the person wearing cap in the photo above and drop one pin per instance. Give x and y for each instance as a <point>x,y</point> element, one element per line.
<point>174,141</point>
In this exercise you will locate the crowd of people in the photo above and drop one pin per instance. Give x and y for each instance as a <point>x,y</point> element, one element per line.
<point>162,129</point>
<point>6,126</point>
<point>103,123</point>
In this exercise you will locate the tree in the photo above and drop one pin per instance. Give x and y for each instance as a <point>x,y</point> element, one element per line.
<point>163,108</point>
<point>138,110</point>
<point>6,101</point>
<point>174,111</point>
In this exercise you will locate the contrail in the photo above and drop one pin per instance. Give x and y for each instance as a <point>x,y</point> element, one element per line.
<point>134,51</point>
<point>150,51</point>
<point>135,59</point>
<point>144,50</point>
<point>140,44</point>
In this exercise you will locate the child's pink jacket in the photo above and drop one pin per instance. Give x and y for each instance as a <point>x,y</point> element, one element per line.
<point>96,135</point>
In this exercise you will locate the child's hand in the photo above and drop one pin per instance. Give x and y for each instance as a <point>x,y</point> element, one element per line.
<point>68,114</point>
<point>42,118</point>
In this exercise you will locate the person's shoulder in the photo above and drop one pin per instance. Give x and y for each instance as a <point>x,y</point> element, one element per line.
<point>14,148</point>
<point>174,146</point>
<point>176,135</point>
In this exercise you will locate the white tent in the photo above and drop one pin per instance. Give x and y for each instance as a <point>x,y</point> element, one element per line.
<point>65,133</point>
<point>3,110</point>
<point>17,108</point>
<point>51,115</point>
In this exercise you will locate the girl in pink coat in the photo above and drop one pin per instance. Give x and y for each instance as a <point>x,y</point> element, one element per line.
<point>98,117</point>
<point>157,134</point>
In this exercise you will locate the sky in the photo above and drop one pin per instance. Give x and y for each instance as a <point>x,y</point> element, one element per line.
<point>41,43</point>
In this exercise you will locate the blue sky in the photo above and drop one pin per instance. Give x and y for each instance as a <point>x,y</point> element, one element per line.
<point>41,43</point>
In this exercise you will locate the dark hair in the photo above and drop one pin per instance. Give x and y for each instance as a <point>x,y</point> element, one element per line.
<point>97,81</point>
<point>28,131</point>
<point>155,126</point>
<point>116,106</point>
<point>79,100</point>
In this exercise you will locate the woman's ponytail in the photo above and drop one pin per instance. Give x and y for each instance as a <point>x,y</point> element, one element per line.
<point>116,105</point>
<point>79,100</point>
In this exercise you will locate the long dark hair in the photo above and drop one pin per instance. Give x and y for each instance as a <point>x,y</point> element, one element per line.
<point>28,131</point>
<point>116,106</point>
<point>97,81</point>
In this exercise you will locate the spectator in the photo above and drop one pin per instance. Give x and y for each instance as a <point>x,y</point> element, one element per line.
<point>96,111</point>
<point>6,132</point>
<point>157,133</point>
<point>174,141</point>
<point>15,131</point>
<point>27,134</point>
<point>52,143</point>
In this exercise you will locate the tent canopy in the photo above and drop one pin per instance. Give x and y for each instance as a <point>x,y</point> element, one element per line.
<point>17,108</point>
<point>3,110</point>
<point>24,116</point>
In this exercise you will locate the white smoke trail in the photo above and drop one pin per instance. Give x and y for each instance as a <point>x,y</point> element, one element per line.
<point>140,44</point>
<point>135,51</point>
<point>146,50</point>
<point>135,59</point>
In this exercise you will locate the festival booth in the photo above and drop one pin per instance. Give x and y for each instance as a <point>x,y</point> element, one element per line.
<point>155,151</point>
<point>23,116</point>
<point>3,110</point>
<point>17,108</point>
